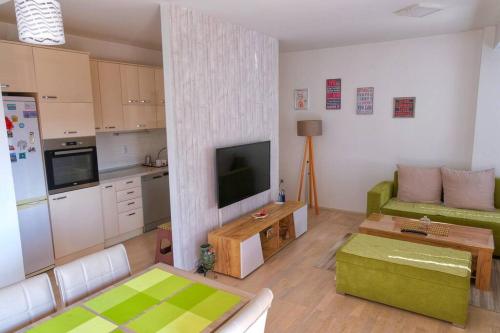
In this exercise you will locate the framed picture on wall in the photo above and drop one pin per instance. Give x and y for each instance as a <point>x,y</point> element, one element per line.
<point>301,99</point>
<point>364,100</point>
<point>404,107</point>
<point>333,94</point>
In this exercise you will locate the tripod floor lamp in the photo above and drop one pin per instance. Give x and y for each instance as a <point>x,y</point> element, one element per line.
<point>309,128</point>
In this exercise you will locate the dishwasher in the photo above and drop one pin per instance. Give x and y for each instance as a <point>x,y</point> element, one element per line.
<point>155,200</point>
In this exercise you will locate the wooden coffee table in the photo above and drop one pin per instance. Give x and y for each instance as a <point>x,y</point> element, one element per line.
<point>478,241</point>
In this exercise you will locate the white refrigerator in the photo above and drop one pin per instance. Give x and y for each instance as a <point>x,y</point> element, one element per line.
<point>23,135</point>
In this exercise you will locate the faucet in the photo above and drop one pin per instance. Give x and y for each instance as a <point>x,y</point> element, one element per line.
<point>159,152</point>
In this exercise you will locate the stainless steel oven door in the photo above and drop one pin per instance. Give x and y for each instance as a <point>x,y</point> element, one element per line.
<point>70,164</point>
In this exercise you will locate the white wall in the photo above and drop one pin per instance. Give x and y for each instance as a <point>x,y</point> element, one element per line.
<point>487,134</point>
<point>98,49</point>
<point>357,151</point>
<point>223,91</point>
<point>11,256</point>
<point>125,149</point>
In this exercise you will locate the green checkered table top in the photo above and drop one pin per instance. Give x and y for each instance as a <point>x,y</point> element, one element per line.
<point>156,301</point>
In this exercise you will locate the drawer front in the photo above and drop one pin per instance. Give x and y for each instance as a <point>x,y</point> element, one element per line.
<point>128,183</point>
<point>130,220</point>
<point>125,206</point>
<point>129,194</point>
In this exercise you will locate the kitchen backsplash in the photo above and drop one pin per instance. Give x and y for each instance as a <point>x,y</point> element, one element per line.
<point>125,149</point>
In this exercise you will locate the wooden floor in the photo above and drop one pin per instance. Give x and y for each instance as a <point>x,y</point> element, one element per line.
<point>305,298</point>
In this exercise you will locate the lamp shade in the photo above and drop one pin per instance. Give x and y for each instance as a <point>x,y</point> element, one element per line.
<point>309,128</point>
<point>40,22</point>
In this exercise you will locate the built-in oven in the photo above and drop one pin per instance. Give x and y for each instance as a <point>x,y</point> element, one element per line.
<point>70,164</point>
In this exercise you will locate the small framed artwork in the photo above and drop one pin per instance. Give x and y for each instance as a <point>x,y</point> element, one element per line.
<point>301,99</point>
<point>404,107</point>
<point>333,94</point>
<point>364,100</point>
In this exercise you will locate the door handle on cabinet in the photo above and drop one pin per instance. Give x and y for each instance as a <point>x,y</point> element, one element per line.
<point>129,182</point>
<point>145,101</point>
<point>4,85</point>
<point>131,192</point>
<point>49,97</point>
<point>133,101</point>
<point>110,127</point>
<point>131,214</point>
<point>60,198</point>
<point>141,125</point>
<point>131,203</point>
<point>70,132</point>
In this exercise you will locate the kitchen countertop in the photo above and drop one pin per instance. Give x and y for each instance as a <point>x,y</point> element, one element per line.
<point>111,175</point>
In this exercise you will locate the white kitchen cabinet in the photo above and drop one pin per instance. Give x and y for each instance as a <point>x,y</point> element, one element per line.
<point>109,211</point>
<point>160,116</point>
<point>77,222</point>
<point>130,220</point>
<point>130,84</point>
<point>111,96</point>
<point>122,209</point>
<point>146,85</point>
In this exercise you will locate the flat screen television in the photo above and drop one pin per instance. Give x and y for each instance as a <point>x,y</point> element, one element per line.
<point>242,171</point>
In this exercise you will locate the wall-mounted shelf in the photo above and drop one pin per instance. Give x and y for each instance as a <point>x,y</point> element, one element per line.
<point>242,245</point>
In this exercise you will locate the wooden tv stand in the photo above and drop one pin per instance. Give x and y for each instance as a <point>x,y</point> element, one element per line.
<point>241,246</point>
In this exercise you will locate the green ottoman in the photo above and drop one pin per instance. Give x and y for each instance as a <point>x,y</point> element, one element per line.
<point>429,280</point>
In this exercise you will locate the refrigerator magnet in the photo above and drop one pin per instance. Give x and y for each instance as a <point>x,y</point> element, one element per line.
<point>11,107</point>
<point>13,157</point>
<point>11,147</point>
<point>22,145</point>
<point>10,134</point>
<point>21,125</point>
<point>15,119</point>
<point>31,149</point>
<point>22,156</point>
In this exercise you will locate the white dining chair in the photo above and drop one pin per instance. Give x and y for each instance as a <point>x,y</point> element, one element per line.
<point>26,302</point>
<point>252,317</point>
<point>85,276</point>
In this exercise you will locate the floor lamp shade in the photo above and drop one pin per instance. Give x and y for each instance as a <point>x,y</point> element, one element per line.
<point>309,128</point>
<point>40,22</point>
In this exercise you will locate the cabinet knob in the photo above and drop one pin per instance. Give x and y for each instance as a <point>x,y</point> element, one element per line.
<point>4,85</point>
<point>141,125</point>
<point>110,127</point>
<point>70,132</point>
<point>60,198</point>
<point>49,97</point>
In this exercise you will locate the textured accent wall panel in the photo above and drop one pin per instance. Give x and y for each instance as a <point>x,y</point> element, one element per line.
<point>222,90</point>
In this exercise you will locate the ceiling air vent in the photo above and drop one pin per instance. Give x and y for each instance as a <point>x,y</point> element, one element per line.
<point>419,10</point>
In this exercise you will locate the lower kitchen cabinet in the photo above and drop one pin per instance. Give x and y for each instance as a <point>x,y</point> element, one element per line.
<point>77,221</point>
<point>122,210</point>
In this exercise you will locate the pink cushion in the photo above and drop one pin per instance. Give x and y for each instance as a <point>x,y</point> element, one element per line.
<point>416,184</point>
<point>469,189</point>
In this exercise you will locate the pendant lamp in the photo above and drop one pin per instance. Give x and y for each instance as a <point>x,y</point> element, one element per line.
<point>40,22</point>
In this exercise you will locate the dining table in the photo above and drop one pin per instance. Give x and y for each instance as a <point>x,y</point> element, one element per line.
<point>159,299</point>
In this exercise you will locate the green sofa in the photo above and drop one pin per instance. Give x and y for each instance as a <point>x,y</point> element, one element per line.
<point>425,279</point>
<point>383,199</point>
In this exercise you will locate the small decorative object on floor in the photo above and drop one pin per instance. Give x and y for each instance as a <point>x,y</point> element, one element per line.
<point>281,194</point>
<point>164,248</point>
<point>261,214</point>
<point>207,259</point>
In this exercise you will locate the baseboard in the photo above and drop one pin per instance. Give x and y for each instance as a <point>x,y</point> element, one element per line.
<point>122,238</point>
<point>79,254</point>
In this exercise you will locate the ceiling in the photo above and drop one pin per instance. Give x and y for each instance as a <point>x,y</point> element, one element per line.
<point>298,24</point>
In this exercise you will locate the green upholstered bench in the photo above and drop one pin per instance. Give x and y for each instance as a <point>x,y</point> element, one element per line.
<point>429,280</point>
<point>382,198</point>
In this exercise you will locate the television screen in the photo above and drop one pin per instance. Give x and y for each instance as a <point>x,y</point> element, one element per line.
<point>242,171</point>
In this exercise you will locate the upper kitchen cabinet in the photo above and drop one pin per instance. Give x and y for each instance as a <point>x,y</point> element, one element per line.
<point>146,85</point>
<point>111,95</point>
<point>139,117</point>
<point>66,120</point>
<point>130,84</point>
<point>159,87</point>
<point>62,76</point>
<point>96,94</point>
<point>17,70</point>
